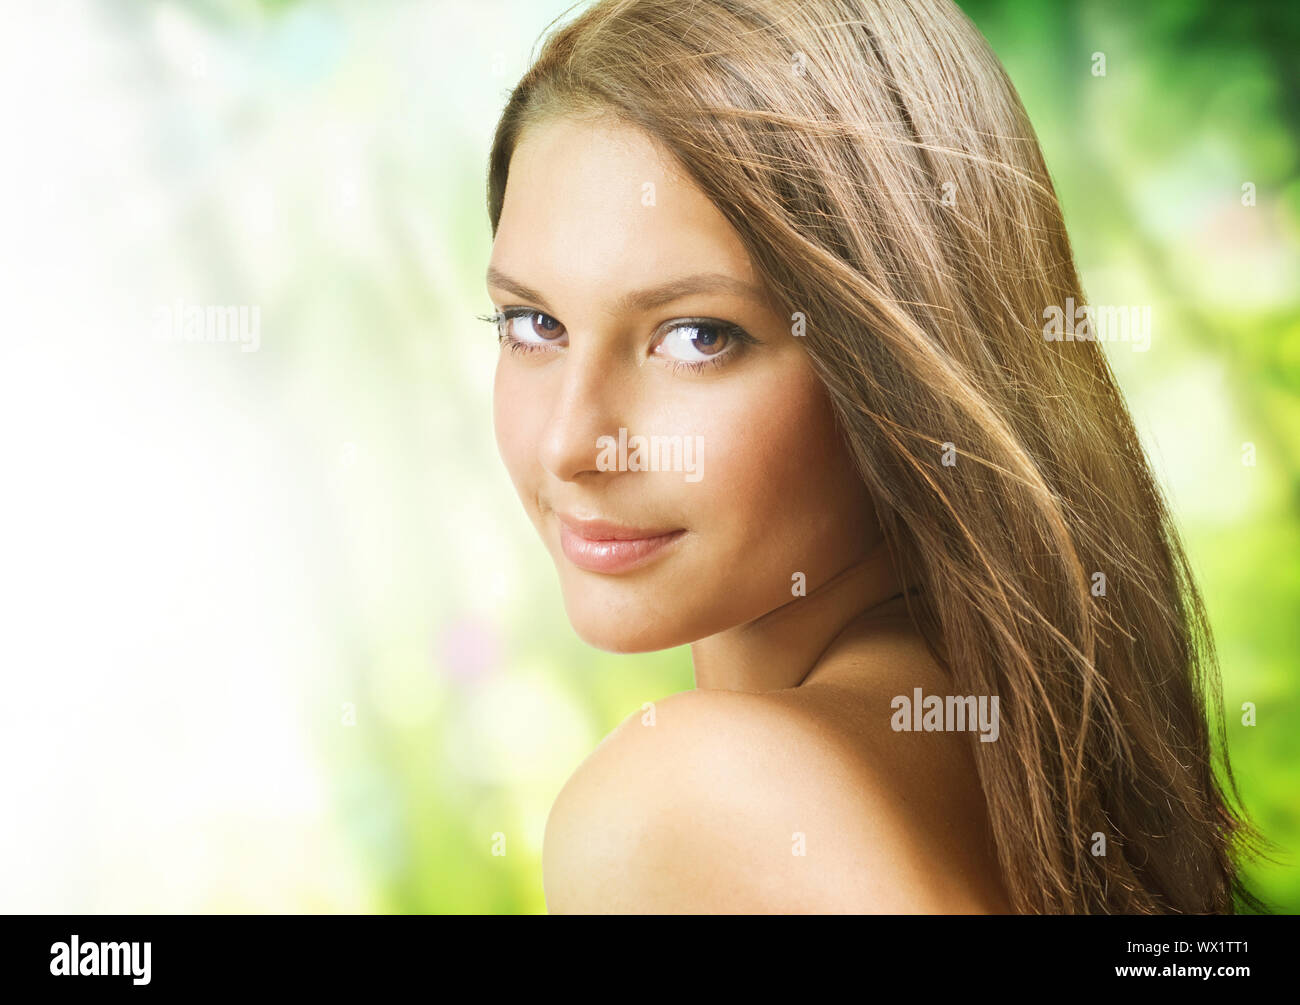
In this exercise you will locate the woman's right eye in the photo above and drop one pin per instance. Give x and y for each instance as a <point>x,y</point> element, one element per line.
<point>524,328</point>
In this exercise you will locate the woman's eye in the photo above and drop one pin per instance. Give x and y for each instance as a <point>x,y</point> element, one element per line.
<point>697,341</point>
<point>693,343</point>
<point>531,328</point>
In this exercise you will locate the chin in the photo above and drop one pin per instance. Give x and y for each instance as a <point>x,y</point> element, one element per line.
<point>601,626</point>
<point>630,623</point>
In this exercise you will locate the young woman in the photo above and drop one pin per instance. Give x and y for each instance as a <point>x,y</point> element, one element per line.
<point>771,283</point>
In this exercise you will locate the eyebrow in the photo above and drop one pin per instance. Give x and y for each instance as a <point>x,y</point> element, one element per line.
<point>650,298</point>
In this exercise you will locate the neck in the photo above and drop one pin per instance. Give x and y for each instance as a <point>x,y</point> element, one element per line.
<point>780,649</point>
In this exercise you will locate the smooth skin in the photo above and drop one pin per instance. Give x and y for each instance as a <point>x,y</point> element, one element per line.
<point>777,785</point>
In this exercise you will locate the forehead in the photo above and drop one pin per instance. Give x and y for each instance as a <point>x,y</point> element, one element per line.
<point>594,206</point>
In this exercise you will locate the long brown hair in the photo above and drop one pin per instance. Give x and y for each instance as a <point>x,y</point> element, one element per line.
<point>880,169</point>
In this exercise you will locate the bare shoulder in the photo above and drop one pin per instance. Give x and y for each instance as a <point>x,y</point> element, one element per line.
<point>795,801</point>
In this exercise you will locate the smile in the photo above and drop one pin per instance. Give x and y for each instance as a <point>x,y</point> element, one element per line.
<point>598,546</point>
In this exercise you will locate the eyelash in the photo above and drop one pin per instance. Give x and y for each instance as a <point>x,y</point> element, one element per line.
<point>726,327</point>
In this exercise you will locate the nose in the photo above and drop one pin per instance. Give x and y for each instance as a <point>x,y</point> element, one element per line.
<point>587,405</point>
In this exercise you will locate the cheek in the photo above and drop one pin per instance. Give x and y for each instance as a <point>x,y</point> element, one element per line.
<point>518,423</point>
<point>787,480</point>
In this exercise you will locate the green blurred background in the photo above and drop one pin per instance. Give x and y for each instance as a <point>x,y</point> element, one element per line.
<point>331,656</point>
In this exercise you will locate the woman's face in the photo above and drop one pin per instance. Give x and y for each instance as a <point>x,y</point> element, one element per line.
<point>635,320</point>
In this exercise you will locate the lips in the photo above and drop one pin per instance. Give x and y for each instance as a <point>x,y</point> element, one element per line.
<point>601,546</point>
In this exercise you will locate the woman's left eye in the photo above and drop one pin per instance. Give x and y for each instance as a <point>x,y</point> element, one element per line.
<point>699,341</point>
